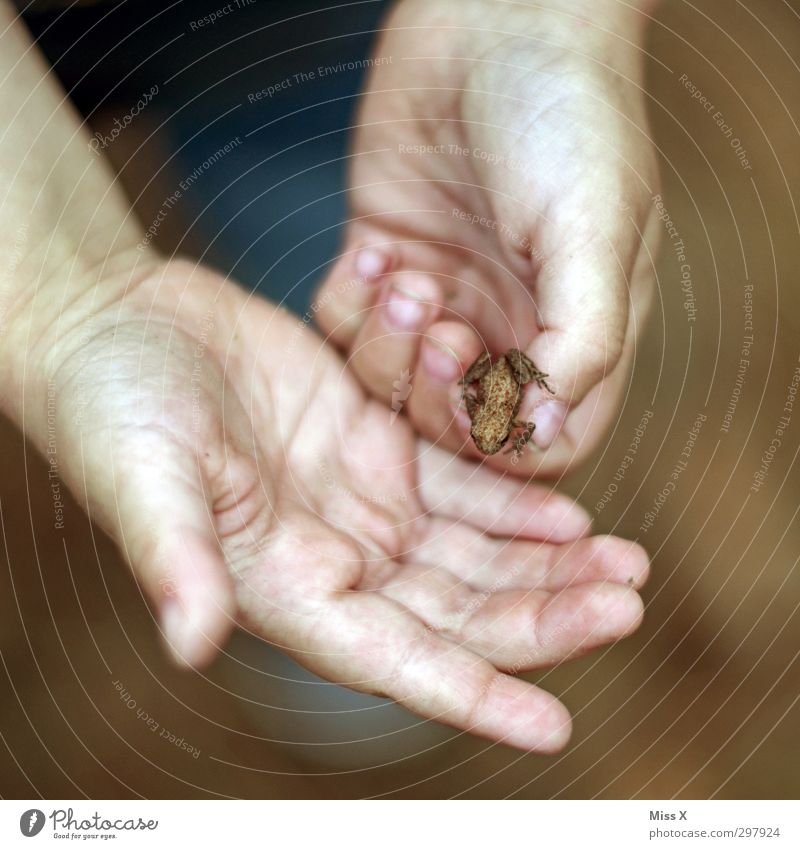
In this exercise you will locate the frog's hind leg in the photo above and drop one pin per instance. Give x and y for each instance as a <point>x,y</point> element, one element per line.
<point>478,369</point>
<point>520,441</point>
<point>525,370</point>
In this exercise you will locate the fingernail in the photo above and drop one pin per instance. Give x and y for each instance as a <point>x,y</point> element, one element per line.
<point>184,633</point>
<point>440,361</point>
<point>549,418</point>
<point>371,263</point>
<point>404,310</point>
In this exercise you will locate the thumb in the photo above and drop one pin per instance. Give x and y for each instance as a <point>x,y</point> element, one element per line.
<point>162,521</point>
<point>583,304</point>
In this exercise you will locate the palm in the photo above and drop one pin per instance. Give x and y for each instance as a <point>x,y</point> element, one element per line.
<point>374,567</point>
<point>377,561</point>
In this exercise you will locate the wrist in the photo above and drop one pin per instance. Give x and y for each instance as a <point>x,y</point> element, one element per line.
<point>69,246</point>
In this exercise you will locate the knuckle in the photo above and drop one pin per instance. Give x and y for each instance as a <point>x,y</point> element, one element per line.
<point>479,700</point>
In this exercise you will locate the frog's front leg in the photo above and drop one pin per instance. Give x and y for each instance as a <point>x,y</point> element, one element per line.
<point>478,369</point>
<point>525,370</point>
<point>473,405</point>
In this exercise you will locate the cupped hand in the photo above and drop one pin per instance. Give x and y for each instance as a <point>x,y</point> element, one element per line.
<point>501,185</point>
<point>250,480</point>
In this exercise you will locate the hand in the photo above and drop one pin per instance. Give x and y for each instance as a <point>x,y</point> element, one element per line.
<point>248,479</point>
<point>501,181</point>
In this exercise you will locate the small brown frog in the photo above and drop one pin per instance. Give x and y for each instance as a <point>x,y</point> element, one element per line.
<point>494,408</point>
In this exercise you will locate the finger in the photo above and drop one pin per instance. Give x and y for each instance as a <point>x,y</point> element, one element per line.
<point>521,630</point>
<point>518,629</point>
<point>446,351</point>
<point>350,289</point>
<point>486,563</point>
<point>585,426</point>
<point>453,488</point>
<point>367,641</point>
<point>386,346</point>
<point>164,527</point>
<point>583,303</point>
<point>589,421</point>
<point>444,682</point>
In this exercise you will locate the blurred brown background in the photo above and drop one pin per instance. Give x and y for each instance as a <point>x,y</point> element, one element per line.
<point>702,701</point>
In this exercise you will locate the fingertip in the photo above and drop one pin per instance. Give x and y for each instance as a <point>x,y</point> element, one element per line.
<point>636,609</point>
<point>461,338</point>
<point>621,561</point>
<point>411,302</point>
<point>566,518</point>
<point>441,363</point>
<point>544,724</point>
<point>197,614</point>
<point>342,302</point>
<point>581,618</point>
<point>617,611</point>
<point>193,635</point>
<point>448,350</point>
<point>636,563</point>
<point>556,737</point>
<point>526,717</point>
<point>371,262</point>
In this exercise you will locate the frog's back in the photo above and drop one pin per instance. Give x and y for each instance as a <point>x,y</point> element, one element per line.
<point>499,387</point>
<point>499,400</point>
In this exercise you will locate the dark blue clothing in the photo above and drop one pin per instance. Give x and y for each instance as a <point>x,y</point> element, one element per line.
<point>270,210</point>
